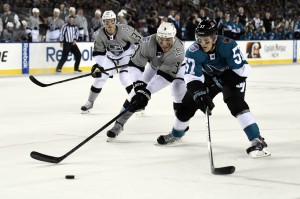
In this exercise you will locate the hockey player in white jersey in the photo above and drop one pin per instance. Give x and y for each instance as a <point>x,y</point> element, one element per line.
<point>165,54</point>
<point>114,45</point>
<point>214,64</point>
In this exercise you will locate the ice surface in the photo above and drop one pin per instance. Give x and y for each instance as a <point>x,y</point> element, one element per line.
<point>48,120</point>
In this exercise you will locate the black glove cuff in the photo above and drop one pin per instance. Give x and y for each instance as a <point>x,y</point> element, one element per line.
<point>144,92</point>
<point>139,85</point>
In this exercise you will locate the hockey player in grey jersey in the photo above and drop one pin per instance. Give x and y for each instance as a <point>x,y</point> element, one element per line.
<point>55,24</point>
<point>165,53</point>
<point>34,24</point>
<point>114,45</point>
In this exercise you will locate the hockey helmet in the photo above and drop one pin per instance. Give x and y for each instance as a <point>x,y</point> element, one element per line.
<point>109,14</point>
<point>206,28</point>
<point>166,30</point>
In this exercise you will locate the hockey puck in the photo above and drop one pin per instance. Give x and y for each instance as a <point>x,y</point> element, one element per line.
<point>70,176</point>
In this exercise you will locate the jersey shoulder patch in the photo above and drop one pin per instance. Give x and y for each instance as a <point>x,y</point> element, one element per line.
<point>193,48</point>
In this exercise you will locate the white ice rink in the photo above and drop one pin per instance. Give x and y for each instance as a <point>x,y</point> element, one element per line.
<point>48,120</point>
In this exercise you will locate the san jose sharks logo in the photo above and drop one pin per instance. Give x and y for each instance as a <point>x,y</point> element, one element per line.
<point>212,70</point>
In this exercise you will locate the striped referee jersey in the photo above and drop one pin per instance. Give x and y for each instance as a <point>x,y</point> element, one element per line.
<point>69,33</point>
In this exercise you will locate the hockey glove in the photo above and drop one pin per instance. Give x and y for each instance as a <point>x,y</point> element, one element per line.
<point>140,100</point>
<point>200,95</point>
<point>97,70</point>
<point>139,85</point>
<point>230,78</point>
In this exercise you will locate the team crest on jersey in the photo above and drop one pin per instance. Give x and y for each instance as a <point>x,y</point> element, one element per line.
<point>193,48</point>
<point>226,40</point>
<point>115,49</point>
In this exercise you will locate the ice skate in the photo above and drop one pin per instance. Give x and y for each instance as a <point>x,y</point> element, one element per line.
<point>167,139</point>
<point>258,148</point>
<point>140,112</point>
<point>173,136</point>
<point>114,132</point>
<point>85,108</point>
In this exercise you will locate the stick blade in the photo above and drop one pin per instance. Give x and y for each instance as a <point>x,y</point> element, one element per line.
<point>45,158</point>
<point>223,170</point>
<point>35,81</point>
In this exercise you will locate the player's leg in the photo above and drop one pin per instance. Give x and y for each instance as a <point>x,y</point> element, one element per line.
<point>124,76</point>
<point>98,84</point>
<point>64,57</point>
<point>77,54</point>
<point>234,98</point>
<point>182,112</point>
<point>135,74</point>
<point>121,121</point>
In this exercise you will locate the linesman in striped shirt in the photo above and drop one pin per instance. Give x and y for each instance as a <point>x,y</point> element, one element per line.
<point>68,38</point>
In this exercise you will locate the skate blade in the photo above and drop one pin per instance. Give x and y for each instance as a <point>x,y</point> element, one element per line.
<point>260,154</point>
<point>177,142</point>
<point>109,139</point>
<point>85,112</point>
<point>139,113</point>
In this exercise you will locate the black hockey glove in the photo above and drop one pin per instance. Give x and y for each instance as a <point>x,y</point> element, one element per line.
<point>140,100</point>
<point>97,70</point>
<point>230,78</point>
<point>80,38</point>
<point>139,85</point>
<point>200,95</point>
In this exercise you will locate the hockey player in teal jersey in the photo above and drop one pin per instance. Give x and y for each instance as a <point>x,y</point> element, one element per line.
<point>214,64</point>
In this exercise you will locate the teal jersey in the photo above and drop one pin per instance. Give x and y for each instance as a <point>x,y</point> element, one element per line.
<point>226,55</point>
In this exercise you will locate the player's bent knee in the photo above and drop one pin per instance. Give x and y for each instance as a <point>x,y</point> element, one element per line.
<point>236,106</point>
<point>95,90</point>
<point>185,114</point>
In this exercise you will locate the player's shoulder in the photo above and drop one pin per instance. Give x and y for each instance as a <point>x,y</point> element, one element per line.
<point>179,44</point>
<point>124,27</point>
<point>194,51</point>
<point>100,32</point>
<point>225,42</point>
<point>176,53</point>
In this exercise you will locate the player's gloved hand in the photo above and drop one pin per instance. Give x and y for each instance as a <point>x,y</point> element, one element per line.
<point>97,70</point>
<point>230,78</point>
<point>140,100</point>
<point>203,99</point>
<point>139,85</point>
<point>200,95</point>
<point>80,38</point>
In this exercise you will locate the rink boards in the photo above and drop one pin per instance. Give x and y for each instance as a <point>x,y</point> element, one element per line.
<point>42,58</point>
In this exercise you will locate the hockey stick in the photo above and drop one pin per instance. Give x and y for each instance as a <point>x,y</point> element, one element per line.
<point>52,159</point>
<point>37,82</point>
<point>216,171</point>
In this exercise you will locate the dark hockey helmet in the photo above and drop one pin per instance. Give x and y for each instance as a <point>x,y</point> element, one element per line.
<point>206,28</point>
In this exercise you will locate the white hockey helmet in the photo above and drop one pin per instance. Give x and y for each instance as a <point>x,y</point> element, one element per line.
<point>98,11</point>
<point>35,10</point>
<point>109,14</point>
<point>56,10</point>
<point>166,30</point>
